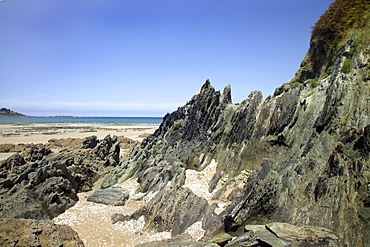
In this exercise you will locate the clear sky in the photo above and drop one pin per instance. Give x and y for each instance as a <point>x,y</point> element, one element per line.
<point>145,57</point>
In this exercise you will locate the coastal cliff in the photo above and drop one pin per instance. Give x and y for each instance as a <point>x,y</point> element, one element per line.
<point>289,170</point>
<point>299,157</point>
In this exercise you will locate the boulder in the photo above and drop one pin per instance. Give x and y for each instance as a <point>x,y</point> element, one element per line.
<point>291,232</point>
<point>262,234</point>
<point>109,197</point>
<point>90,142</point>
<point>22,232</point>
<point>284,234</point>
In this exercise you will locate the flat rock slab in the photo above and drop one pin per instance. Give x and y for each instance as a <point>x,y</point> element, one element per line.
<point>266,236</point>
<point>247,239</point>
<point>109,197</point>
<point>178,244</point>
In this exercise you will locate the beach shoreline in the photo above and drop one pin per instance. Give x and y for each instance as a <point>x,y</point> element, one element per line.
<point>41,133</point>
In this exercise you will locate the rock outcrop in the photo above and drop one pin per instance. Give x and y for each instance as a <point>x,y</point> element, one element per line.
<point>92,160</point>
<point>41,185</point>
<point>305,151</point>
<point>35,190</point>
<point>22,232</point>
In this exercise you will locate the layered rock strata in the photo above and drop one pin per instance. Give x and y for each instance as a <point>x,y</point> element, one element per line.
<point>305,152</point>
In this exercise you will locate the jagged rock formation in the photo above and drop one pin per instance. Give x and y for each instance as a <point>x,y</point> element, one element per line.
<point>41,185</point>
<point>305,150</point>
<point>89,162</point>
<point>35,190</point>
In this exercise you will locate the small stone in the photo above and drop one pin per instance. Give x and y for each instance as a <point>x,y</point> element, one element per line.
<point>220,239</point>
<point>119,217</point>
<point>247,239</point>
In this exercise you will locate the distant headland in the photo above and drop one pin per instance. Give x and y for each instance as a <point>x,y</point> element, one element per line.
<point>5,112</point>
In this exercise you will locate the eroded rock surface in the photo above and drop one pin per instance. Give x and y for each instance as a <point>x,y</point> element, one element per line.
<point>42,185</point>
<point>303,154</point>
<point>22,232</point>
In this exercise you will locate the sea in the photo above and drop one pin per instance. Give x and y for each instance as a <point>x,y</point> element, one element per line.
<point>85,120</point>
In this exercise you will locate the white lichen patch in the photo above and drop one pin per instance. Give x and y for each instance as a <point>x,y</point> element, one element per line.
<point>195,231</point>
<point>198,181</point>
<point>221,206</point>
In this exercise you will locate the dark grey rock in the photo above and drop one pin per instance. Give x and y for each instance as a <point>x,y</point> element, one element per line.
<point>90,142</point>
<point>41,191</point>
<point>109,197</point>
<point>174,209</point>
<point>35,153</point>
<point>119,217</point>
<point>88,164</point>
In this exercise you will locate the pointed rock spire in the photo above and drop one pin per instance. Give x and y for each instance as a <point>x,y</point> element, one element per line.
<point>226,96</point>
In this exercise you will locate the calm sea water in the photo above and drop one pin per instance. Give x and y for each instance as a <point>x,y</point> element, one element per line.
<point>92,120</point>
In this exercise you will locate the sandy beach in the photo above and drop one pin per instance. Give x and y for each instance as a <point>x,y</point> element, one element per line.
<point>90,220</point>
<point>42,133</point>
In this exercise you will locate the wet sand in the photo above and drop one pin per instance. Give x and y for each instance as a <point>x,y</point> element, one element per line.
<point>93,221</point>
<point>42,133</point>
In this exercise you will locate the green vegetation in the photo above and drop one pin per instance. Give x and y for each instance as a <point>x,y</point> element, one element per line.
<point>347,65</point>
<point>345,20</point>
<point>328,71</point>
<point>314,83</point>
<point>343,16</point>
<point>291,84</point>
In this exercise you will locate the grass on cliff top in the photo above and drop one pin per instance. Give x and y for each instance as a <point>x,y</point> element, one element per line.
<point>345,20</point>
<point>341,17</point>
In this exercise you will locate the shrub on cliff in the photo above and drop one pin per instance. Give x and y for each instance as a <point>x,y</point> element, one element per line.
<point>344,20</point>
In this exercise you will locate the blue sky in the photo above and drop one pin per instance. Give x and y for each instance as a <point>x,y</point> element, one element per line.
<point>145,57</point>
